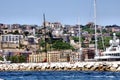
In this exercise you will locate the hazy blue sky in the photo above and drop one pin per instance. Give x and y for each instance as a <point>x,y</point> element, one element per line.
<point>64,11</point>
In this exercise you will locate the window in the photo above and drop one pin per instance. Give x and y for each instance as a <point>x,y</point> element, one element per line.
<point>6,38</point>
<point>3,38</point>
<point>9,38</point>
<point>12,38</point>
<point>19,37</point>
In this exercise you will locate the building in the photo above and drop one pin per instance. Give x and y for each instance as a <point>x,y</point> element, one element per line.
<point>53,56</point>
<point>88,54</point>
<point>41,57</point>
<point>74,56</point>
<point>53,25</point>
<point>10,40</point>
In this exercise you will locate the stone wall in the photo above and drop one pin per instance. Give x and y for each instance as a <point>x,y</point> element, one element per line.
<point>63,66</point>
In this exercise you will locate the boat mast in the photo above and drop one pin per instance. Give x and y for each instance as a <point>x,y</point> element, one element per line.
<point>102,39</point>
<point>95,21</point>
<point>80,49</point>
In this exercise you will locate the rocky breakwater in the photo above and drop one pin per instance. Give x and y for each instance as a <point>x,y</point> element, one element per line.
<point>61,66</point>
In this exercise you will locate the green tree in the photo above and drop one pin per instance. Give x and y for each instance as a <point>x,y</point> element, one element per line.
<point>76,39</point>
<point>22,59</point>
<point>14,59</point>
<point>118,34</point>
<point>104,31</point>
<point>106,40</point>
<point>42,43</point>
<point>17,59</point>
<point>1,58</point>
<point>100,45</point>
<point>60,45</point>
<point>89,30</point>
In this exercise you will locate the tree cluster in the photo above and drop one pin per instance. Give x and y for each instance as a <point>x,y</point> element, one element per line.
<point>17,58</point>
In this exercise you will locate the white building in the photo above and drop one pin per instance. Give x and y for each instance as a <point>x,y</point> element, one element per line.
<point>11,38</point>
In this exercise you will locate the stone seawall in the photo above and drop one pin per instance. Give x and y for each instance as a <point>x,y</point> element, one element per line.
<point>61,66</point>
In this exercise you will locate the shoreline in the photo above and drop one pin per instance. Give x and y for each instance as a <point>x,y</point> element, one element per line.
<point>62,66</point>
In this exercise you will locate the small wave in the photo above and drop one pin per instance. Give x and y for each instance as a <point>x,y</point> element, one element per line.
<point>67,76</point>
<point>72,76</point>
<point>105,76</point>
<point>98,76</point>
<point>110,76</point>
<point>21,77</point>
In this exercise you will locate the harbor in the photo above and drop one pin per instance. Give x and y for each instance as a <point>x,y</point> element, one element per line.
<point>59,40</point>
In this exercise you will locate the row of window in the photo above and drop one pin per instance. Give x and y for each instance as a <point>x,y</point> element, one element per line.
<point>10,38</point>
<point>114,54</point>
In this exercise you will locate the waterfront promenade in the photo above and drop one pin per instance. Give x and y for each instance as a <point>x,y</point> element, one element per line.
<point>62,66</point>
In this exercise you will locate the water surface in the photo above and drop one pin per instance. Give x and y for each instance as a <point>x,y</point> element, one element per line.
<point>59,75</point>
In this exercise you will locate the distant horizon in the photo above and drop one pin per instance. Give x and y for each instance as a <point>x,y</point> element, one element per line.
<point>64,11</point>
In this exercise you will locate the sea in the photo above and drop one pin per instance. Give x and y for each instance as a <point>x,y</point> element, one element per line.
<point>59,75</point>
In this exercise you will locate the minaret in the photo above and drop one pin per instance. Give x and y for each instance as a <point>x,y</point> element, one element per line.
<point>45,35</point>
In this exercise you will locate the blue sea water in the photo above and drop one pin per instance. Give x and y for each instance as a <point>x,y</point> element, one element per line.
<point>59,75</point>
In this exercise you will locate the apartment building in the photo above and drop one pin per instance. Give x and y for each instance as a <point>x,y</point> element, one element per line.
<point>10,40</point>
<point>52,56</point>
<point>53,25</point>
<point>41,57</point>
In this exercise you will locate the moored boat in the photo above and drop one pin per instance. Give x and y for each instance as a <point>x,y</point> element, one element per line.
<point>111,53</point>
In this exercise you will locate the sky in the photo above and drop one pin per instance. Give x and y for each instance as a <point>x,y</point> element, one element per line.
<point>65,11</point>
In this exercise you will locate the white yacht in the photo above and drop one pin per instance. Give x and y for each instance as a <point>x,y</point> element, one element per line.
<point>112,53</point>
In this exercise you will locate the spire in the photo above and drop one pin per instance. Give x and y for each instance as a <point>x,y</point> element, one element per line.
<point>45,36</point>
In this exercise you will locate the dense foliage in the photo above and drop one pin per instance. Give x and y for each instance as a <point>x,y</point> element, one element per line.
<point>17,59</point>
<point>76,39</point>
<point>55,45</point>
<point>1,58</point>
<point>60,45</point>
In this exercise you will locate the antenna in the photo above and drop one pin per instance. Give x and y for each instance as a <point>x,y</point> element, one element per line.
<point>95,21</point>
